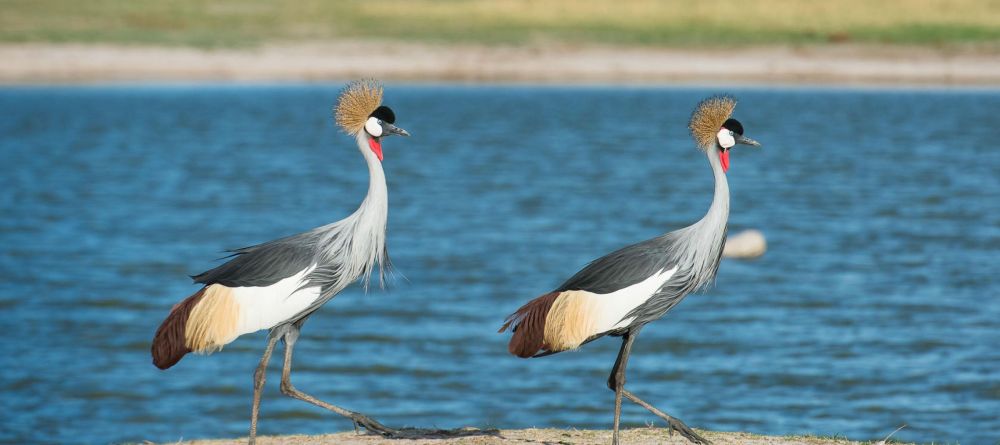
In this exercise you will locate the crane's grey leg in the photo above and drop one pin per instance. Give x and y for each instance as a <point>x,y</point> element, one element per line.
<point>258,385</point>
<point>616,382</point>
<point>290,336</point>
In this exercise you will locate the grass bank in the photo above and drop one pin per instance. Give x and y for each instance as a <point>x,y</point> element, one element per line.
<point>647,23</point>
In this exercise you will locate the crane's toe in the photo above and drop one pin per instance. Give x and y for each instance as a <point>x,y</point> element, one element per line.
<point>372,425</point>
<point>675,424</point>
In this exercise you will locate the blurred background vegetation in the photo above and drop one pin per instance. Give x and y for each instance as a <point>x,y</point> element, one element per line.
<point>667,23</point>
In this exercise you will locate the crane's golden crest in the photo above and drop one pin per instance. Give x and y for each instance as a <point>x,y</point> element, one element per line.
<point>708,118</point>
<point>358,100</point>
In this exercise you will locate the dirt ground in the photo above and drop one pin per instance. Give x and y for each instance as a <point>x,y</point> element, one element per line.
<point>638,436</point>
<point>844,64</point>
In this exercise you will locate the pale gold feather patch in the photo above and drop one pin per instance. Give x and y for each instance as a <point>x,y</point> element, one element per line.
<point>708,117</point>
<point>570,321</point>
<point>212,322</point>
<point>357,102</point>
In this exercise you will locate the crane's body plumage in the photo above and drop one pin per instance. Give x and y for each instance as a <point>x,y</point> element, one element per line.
<point>278,284</point>
<point>621,292</point>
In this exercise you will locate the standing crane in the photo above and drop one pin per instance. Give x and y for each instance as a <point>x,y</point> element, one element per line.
<point>622,291</point>
<point>277,285</point>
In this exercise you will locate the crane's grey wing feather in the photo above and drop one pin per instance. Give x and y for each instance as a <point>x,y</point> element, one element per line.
<point>623,267</point>
<point>262,264</point>
<point>633,264</point>
<point>668,296</point>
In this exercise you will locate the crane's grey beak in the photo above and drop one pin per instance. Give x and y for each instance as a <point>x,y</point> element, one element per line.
<point>740,139</point>
<point>388,129</point>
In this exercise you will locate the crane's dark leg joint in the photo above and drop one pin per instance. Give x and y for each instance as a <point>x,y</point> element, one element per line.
<point>617,378</point>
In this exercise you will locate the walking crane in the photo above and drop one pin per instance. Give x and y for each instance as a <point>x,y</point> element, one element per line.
<point>622,291</point>
<point>278,284</point>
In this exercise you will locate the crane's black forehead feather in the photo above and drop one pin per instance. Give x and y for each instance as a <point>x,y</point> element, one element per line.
<point>734,125</point>
<point>385,113</point>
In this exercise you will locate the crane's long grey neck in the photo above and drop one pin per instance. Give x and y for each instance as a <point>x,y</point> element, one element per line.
<point>718,214</point>
<point>350,248</point>
<point>699,246</point>
<point>376,203</point>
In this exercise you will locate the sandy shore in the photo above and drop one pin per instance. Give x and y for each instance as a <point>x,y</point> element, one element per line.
<point>831,64</point>
<point>638,436</point>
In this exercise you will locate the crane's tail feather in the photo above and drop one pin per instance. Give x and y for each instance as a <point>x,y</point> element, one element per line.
<point>528,326</point>
<point>554,322</point>
<point>202,323</point>
<point>168,343</point>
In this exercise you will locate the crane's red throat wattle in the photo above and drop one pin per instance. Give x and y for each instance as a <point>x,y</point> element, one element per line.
<point>723,157</point>
<point>376,147</point>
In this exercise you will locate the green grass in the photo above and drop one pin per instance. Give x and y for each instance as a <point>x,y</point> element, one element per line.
<point>231,23</point>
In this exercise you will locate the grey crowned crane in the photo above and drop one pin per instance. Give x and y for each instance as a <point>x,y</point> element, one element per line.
<point>277,285</point>
<point>621,292</point>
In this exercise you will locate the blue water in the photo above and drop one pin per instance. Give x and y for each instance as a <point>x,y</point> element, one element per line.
<point>876,304</point>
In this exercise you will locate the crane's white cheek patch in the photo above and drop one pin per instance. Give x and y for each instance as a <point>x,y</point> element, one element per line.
<point>372,127</point>
<point>726,139</point>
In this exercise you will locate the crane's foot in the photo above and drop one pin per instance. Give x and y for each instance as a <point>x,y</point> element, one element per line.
<point>372,425</point>
<point>674,424</point>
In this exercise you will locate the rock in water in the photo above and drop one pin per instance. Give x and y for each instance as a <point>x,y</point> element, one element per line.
<point>746,244</point>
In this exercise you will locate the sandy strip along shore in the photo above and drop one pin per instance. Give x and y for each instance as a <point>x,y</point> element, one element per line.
<point>832,65</point>
<point>636,436</point>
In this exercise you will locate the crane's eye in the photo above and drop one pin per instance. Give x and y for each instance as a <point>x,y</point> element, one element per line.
<point>374,126</point>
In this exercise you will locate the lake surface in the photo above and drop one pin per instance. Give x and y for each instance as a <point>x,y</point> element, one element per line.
<point>877,303</point>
